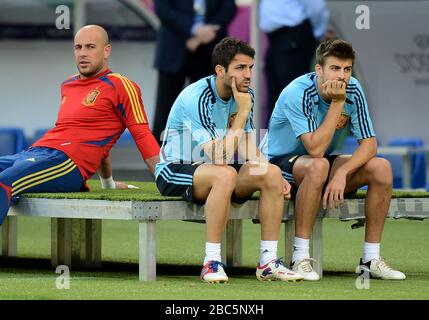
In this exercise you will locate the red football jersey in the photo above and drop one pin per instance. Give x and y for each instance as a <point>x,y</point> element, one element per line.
<point>93,114</point>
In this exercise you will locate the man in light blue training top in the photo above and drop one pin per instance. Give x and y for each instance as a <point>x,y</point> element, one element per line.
<point>210,120</point>
<point>307,120</point>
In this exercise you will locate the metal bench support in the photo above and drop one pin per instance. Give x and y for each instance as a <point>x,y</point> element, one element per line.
<point>9,237</point>
<point>147,250</point>
<point>76,242</point>
<point>232,250</point>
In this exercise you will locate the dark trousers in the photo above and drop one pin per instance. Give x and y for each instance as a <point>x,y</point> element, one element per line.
<point>289,56</point>
<point>197,65</point>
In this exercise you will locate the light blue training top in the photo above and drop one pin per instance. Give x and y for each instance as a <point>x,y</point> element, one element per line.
<point>300,109</point>
<point>197,116</point>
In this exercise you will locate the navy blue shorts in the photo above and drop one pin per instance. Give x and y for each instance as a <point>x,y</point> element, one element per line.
<point>36,170</point>
<point>175,180</point>
<point>286,164</point>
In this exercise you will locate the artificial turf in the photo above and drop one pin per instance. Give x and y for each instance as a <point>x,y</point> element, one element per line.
<point>149,192</point>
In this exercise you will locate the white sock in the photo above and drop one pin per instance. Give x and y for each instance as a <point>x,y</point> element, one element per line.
<point>268,251</point>
<point>212,252</point>
<point>371,251</point>
<point>301,249</point>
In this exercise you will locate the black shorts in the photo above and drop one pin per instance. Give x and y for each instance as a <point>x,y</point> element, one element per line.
<point>176,179</point>
<point>286,164</point>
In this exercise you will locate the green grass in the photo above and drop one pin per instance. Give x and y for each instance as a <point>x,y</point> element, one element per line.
<point>149,192</point>
<point>180,247</point>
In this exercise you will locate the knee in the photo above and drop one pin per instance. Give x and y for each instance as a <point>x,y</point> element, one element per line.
<point>380,171</point>
<point>272,179</point>
<point>317,171</point>
<point>226,178</point>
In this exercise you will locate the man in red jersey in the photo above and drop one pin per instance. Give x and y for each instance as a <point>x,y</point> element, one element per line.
<point>97,105</point>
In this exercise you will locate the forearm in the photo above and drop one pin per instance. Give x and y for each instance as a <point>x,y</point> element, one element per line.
<point>151,163</point>
<point>319,140</point>
<point>145,141</point>
<point>105,174</point>
<point>221,151</point>
<point>366,151</point>
<point>105,170</point>
<point>249,151</point>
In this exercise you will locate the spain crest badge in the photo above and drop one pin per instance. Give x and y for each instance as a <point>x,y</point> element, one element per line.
<point>342,121</point>
<point>91,97</point>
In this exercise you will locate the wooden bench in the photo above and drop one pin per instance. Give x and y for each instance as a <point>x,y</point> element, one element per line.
<point>76,222</point>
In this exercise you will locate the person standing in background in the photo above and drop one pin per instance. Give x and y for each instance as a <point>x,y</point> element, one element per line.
<point>294,28</point>
<point>189,31</point>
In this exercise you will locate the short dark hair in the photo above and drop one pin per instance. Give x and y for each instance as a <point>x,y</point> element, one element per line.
<point>225,51</point>
<point>338,48</point>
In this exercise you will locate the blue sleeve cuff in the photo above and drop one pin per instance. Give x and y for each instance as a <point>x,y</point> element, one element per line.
<point>195,27</point>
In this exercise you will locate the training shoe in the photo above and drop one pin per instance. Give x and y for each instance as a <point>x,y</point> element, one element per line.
<point>378,269</point>
<point>276,270</point>
<point>213,272</point>
<point>304,268</point>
